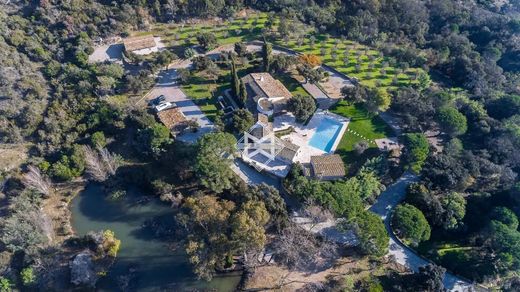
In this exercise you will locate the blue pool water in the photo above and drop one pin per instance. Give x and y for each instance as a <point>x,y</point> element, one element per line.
<point>326,134</point>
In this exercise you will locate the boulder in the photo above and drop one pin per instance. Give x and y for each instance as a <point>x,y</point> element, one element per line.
<point>82,271</point>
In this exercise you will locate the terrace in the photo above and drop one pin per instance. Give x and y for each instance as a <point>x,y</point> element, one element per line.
<point>300,142</point>
<point>321,135</point>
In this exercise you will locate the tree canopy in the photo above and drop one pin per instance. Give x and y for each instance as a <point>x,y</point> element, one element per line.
<point>303,107</point>
<point>371,232</point>
<point>452,121</point>
<point>410,223</point>
<point>242,120</point>
<point>417,150</point>
<point>212,163</point>
<point>218,229</point>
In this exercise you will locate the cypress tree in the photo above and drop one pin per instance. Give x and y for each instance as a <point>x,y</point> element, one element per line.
<point>267,50</point>
<point>235,83</point>
<point>243,93</point>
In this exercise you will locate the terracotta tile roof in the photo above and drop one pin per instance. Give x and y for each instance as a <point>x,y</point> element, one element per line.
<point>173,119</point>
<point>138,43</point>
<point>270,86</point>
<point>328,166</point>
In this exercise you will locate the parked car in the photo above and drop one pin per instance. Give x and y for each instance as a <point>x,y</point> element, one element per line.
<point>156,101</point>
<point>164,106</point>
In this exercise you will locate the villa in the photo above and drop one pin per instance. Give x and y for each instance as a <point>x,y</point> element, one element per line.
<point>265,94</point>
<point>277,140</point>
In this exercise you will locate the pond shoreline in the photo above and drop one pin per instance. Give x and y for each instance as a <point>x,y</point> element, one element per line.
<point>154,263</point>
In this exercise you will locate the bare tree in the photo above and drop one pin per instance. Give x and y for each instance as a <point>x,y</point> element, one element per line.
<point>94,165</point>
<point>37,181</point>
<point>101,164</point>
<point>317,214</point>
<point>299,249</point>
<point>112,161</point>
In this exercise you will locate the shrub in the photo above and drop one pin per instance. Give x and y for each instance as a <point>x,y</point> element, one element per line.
<point>28,277</point>
<point>189,53</point>
<point>242,120</point>
<point>60,170</point>
<point>161,187</point>
<point>208,41</point>
<point>110,243</point>
<point>361,146</point>
<point>98,139</point>
<point>5,285</point>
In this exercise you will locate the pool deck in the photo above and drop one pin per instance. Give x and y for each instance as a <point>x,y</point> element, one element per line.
<point>303,133</point>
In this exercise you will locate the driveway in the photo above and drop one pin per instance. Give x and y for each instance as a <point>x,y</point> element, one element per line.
<point>405,256</point>
<point>169,87</point>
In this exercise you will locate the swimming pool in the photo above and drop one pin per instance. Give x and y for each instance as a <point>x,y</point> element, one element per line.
<point>326,134</point>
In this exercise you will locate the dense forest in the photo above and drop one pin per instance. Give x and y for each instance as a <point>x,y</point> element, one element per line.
<point>467,199</point>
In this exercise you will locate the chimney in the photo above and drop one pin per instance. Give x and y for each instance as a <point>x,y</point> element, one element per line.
<point>262,78</point>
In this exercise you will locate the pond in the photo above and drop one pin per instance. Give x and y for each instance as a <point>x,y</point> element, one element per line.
<point>157,267</point>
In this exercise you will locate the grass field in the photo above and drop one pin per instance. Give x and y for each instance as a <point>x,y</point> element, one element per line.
<point>292,84</point>
<point>363,123</point>
<point>203,92</point>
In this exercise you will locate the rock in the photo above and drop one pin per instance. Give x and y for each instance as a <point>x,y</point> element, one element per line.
<point>82,271</point>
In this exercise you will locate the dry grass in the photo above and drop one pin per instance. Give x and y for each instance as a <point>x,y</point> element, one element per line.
<point>276,278</point>
<point>12,156</point>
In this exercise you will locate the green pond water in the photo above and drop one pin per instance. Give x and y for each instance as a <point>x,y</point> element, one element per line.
<point>157,267</point>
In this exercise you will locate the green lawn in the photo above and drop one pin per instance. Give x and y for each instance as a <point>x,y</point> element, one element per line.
<point>365,124</point>
<point>292,84</point>
<point>200,90</point>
